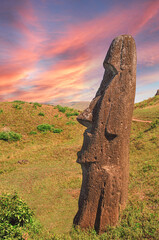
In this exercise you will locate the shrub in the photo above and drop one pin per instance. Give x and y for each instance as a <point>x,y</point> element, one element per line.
<point>48,127</point>
<point>10,136</point>
<point>56,115</point>
<point>61,109</point>
<point>44,127</point>
<point>15,217</point>
<point>57,130</point>
<point>17,106</point>
<point>19,101</point>
<point>33,133</point>
<point>36,105</point>
<point>69,114</point>
<point>1,111</point>
<point>14,211</point>
<point>41,114</point>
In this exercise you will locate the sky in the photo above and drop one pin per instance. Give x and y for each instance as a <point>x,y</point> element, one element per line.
<point>52,51</point>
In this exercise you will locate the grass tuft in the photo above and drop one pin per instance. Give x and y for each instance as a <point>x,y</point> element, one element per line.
<point>41,114</point>
<point>17,106</point>
<point>71,123</point>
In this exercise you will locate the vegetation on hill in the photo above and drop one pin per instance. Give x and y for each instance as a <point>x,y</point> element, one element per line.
<point>147,109</point>
<point>81,105</point>
<point>41,167</point>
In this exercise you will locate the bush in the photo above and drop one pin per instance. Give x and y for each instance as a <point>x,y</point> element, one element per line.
<point>56,116</point>
<point>17,106</point>
<point>14,211</point>
<point>33,133</point>
<point>36,105</point>
<point>10,136</point>
<point>57,130</point>
<point>41,114</point>
<point>44,127</point>
<point>61,109</point>
<point>48,127</point>
<point>69,114</point>
<point>15,217</point>
<point>19,101</point>
<point>1,111</point>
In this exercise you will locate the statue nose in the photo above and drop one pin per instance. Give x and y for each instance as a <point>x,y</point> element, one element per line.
<point>85,118</point>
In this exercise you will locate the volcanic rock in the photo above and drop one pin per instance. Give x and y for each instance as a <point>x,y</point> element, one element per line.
<point>157,93</point>
<point>104,156</point>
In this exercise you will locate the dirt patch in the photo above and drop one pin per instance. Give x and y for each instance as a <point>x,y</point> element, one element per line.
<point>138,120</point>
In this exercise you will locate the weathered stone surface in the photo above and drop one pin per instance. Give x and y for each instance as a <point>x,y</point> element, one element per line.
<point>105,150</point>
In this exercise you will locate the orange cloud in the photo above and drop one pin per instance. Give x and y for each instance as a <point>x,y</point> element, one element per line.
<point>74,57</point>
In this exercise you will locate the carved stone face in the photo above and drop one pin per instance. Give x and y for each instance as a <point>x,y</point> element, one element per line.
<point>106,118</point>
<point>95,123</point>
<point>104,154</point>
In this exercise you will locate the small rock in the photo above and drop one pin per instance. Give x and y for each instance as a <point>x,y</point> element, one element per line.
<point>24,161</point>
<point>157,93</point>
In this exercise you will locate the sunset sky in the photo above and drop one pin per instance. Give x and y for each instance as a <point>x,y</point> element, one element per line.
<point>52,51</point>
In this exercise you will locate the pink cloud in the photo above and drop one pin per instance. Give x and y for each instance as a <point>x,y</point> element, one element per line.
<point>118,21</point>
<point>148,78</point>
<point>77,53</point>
<point>143,15</point>
<point>148,54</point>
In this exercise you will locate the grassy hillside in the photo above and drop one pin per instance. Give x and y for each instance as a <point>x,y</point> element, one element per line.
<point>78,105</point>
<point>147,109</point>
<point>41,167</point>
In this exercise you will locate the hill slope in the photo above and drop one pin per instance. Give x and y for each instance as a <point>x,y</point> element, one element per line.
<point>78,105</point>
<point>42,168</point>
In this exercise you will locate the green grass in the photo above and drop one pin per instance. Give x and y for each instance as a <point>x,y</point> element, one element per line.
<point>148,103</point>
<point>50,181</point>
<point>71,123</point>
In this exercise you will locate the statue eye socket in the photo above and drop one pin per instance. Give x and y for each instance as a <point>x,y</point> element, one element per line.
<point>109,136</point>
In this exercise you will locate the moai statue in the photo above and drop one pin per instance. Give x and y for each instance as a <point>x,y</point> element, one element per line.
<point>104,156</point>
